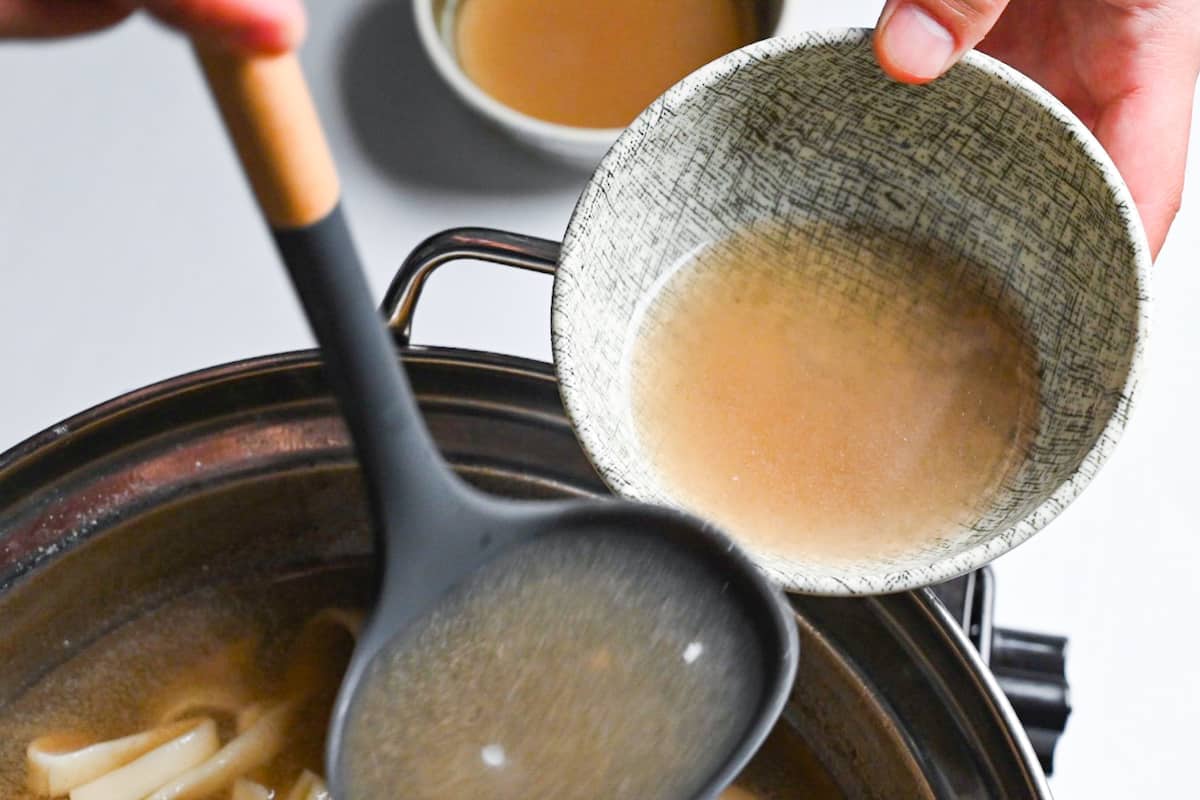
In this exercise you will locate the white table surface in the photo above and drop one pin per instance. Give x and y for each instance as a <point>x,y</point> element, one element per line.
<point>130,252</point>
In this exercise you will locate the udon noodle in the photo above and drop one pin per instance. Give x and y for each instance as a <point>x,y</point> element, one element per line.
<point>211,735</point>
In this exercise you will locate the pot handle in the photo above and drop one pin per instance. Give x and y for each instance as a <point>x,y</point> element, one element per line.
<point>483,244</point>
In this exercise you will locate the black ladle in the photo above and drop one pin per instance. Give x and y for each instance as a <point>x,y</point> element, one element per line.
<point>431,529</point>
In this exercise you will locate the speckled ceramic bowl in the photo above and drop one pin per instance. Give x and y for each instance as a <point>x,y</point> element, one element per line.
<point>983,163</point>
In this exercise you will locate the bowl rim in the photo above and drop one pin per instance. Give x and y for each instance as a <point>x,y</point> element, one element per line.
<point>942,568</point>
<point>452,73</point>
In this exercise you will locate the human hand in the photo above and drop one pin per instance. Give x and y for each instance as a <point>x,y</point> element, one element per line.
<point>253,26</point>
<point>1127,68</point>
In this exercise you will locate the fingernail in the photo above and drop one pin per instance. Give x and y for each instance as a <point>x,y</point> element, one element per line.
<point>269,26</point>
<point>268,37</point>
<point>916,44</point>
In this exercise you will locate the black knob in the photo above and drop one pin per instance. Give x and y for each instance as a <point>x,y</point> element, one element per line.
<point>1031,670</point>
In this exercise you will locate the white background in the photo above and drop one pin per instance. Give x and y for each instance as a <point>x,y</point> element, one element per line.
<point>130,252</point>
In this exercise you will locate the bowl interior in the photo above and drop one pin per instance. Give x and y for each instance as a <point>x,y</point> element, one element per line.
<point>795,135</point>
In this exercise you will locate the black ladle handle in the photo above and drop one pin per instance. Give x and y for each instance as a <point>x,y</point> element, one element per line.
<point>270,116</point>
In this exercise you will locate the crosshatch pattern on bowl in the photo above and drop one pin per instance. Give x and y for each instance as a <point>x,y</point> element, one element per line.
<point>799,129</point>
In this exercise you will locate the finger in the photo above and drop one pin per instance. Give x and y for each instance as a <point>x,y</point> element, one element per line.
<point>37,18</point>
<point>918,40</point>
<point>1146,133</point>
<point>252,26</point>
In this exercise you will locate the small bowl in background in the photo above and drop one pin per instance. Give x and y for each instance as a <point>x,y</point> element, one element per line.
<point>578,146</point>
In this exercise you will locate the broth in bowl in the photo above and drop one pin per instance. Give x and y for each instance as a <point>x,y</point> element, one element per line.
<point>831,395</point>
<point>593,63</point>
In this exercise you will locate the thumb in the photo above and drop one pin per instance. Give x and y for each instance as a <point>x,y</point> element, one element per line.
<point>918,40</point>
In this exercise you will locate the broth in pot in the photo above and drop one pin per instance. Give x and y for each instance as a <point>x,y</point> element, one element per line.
<point>225,693</point>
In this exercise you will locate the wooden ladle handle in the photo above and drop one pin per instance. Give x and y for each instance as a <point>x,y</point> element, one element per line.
<point>271,118</point>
